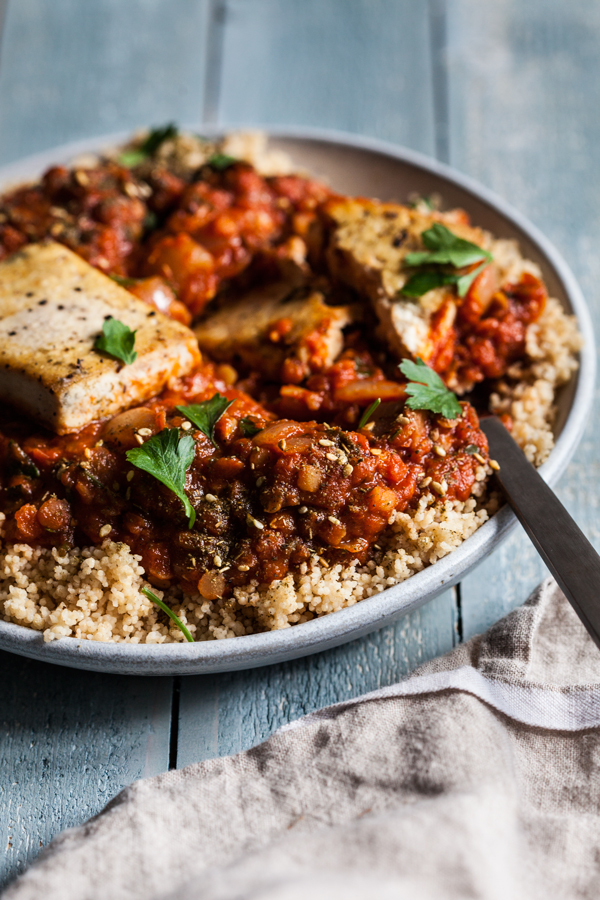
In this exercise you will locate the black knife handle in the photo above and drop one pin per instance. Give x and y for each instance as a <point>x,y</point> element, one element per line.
<point>557,538</point>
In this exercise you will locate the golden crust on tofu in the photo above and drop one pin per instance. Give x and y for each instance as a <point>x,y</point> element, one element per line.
<point>276,325</point>
<point>52,307</point>
<point>367,245</point>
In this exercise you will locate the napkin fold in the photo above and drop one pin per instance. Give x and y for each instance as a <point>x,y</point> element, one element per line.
<point>477,777</point>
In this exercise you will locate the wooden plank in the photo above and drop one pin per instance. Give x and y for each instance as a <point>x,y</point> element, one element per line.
<point>365,67</point>
<point>223,714</point>
<point>71,70</point>
<point>69,741</point>
<point>522,79</point>
<point>358,66</point>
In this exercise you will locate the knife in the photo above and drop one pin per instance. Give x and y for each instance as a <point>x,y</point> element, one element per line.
<point>557,538</point>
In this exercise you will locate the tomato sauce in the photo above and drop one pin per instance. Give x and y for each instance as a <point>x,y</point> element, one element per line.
<point>311,481</point>
<point>264,504</point>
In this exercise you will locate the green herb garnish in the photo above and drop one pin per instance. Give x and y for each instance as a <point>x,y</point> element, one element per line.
<point>149,146</point>
<point>425,199</point>
<point>167,457</point>
<point>426,390</point>
<point>206,415</point>
<point>369,412</point>
<point>124,282</point>
<point>221,161</point>
<point>117,340</point>
<point>152,596</point>
<point>249,427</point>
<point>444,249</point>
<point>472,449</point>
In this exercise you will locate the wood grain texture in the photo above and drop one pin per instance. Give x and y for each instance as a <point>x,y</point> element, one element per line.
<point>522,80</point>
<point>70,70</point>
<point>227,713</point>
<point>356,65</point>
<point>69,741</point>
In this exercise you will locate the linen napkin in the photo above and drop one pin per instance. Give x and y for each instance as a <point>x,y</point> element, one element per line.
<point>478,777</point>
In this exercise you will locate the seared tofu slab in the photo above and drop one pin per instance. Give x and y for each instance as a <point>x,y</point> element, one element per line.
<point>276,326</point>
<point>368,242</point>
<point>52,307</point>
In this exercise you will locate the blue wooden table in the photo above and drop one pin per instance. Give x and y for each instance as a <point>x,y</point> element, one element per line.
<point>506,91</point>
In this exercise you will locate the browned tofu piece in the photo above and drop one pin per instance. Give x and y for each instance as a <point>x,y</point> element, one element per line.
<point>273,324</point>
<point>52,307</point>
<point>368,242</point>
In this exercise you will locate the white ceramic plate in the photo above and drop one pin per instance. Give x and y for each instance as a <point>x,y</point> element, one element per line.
<point>352,165</point>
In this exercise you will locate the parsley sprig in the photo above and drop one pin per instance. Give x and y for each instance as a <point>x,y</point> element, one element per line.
<point>426,390</point>
<point>149,145</point>
<point>205,415</point>
<point>118,340</point>
<point>221,161</point>
<point>152,596</point>
<point>249,427</point>
<point>167,457</point>
<point>444,249</point>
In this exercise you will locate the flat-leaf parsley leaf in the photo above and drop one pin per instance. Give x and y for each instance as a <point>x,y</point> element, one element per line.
<point>221,161</point>
<point>206,415</point>
<point>117,340</point>
<point>426,390</point>
<point>167,457</point>
<point>152,596</point>
<point>149,145</point>
<point>249,427</point>
<point>444,249</point>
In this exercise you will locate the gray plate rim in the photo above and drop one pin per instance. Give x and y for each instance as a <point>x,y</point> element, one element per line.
<point>372,613</point>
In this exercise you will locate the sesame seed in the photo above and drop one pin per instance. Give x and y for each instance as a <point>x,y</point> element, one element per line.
<point>331,456</point>
<point>99,443</point>
<point>325,443</point>
<point>244,568</point>
<point>303,510</point>
<point>105,530</point>
<point>139,439</point>
<point>369,426</point>
<point>81,178</point>
<point>145,432</point>
<point>260,481</point>
<point>439,488</point>
<point>334,520</point>
<point>217,560</point>
<point>115,486</point>
<point>376,451</point>
<point>87,452</point>
<point>210,498</point>
<point>130,474</point>
<point>439,450</point>
<point>347,470</point>
<point>434,434</point>
<point>282,444</point>
<point>494,465</point>
<point>479,458</point>
<point>402,420</point>
<point>186,426</point>
<point>128,493</point>
<point>426,482</point>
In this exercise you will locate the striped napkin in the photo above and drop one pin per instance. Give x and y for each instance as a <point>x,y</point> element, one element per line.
<point>478,777</point>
